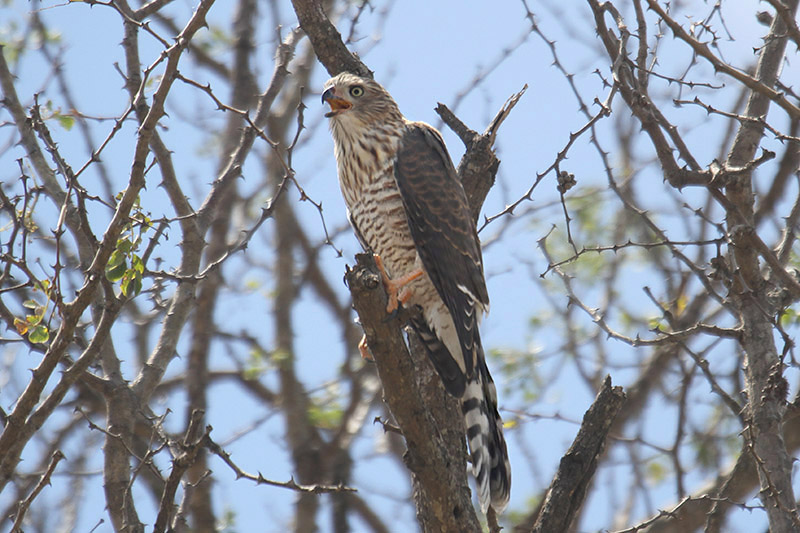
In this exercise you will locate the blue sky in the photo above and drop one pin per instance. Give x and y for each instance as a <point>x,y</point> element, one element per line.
<point>426,52</point>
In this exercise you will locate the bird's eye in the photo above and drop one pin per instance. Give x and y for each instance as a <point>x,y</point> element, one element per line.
<point>357,91</point>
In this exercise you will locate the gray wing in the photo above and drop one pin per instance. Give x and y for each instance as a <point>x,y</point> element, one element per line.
<point>445,237</point>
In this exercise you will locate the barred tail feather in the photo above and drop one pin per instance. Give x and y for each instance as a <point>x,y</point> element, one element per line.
<point>487,446</point>
<point>447,368</point>
<point>483,424</point>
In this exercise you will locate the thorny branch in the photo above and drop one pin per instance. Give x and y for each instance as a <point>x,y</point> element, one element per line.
<point>43,482</point>
<point>214,448</point>
<point>712,249</point>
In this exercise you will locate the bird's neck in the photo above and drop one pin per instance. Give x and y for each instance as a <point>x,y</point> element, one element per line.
<point>364,154</point>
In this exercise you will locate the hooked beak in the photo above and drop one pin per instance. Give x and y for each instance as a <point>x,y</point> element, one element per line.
<point>337,104</point>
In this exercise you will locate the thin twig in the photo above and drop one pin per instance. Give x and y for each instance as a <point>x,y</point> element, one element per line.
<point>43,482</point>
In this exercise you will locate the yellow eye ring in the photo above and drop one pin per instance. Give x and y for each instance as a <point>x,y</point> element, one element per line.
<point>357,91</point>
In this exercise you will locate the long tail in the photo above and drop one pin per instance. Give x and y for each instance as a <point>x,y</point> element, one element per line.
<point>484,426</point>
<point>487,446</point>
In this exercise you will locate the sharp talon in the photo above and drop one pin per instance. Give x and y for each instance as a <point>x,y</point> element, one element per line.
<point>391,315</point>
<point>397,289</point>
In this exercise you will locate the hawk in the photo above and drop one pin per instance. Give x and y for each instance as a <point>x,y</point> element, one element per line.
<point>407,206</point>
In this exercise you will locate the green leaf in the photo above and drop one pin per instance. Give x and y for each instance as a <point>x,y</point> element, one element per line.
<point>789,317</point>
<point>256,364</point>
<point>117,258</point>
<point>137,264</point>
<point>124,245</point>
<point>66,121</point>
<point>39,334</point>
<point>117,266</point>
<point>137,284</point>
<point>252,373</point>
<point>279,356</point>
<point>325,418</point>
<point>655,322</point>
<point>131,283</point>
<point>656,472</point>
<point>31,304</point>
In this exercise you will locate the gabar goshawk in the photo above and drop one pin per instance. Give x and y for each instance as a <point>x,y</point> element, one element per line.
<point>407,205</point>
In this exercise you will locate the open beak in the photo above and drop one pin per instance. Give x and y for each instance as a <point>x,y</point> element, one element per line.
<point>337,104</point>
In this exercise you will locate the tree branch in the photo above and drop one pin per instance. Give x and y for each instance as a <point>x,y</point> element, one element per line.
<point>43,482</point>
<point>326,40</point>
<point>567,491</point>
<point>428,417</point>
<point>478,166</point>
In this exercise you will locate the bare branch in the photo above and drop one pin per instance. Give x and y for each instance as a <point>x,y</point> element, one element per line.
<point>326,40</point>
<point>567,491</point>
<point>756,84</point>
<point>217,450</point>
<point>43,482</point>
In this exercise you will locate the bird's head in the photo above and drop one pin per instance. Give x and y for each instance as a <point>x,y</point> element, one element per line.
<point>358,99</point>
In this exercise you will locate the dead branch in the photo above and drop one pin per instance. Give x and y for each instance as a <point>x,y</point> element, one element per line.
<point>567,491</point>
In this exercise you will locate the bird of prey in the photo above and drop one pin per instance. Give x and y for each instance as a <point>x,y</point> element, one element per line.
<point>408,207</point>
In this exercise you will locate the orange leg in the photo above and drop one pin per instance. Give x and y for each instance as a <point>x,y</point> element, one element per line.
<point>396,288</point>
<point>363,349</point>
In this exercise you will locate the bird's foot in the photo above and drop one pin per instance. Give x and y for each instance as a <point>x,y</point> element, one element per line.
<point>363,349</point>
<point>397,289</point>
